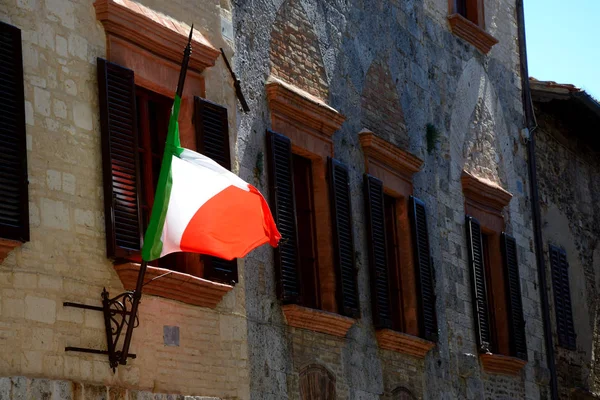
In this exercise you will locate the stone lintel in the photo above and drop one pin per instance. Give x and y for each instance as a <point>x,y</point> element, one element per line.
<point>174,285</point>
<point>499,364</point>
<point>388,154</point>
<point>155,32</point>
<point>403,343</point>
<point>292,106</point>
<point>317,320</point>
<point>472,33</point>
<point>484,192</point>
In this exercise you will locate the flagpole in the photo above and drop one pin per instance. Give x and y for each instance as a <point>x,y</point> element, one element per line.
<point>137,293</point>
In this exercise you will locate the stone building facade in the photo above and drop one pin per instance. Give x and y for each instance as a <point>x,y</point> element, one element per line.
<point>192,339</point>
<point>426,97</point>
<point>569,187</point>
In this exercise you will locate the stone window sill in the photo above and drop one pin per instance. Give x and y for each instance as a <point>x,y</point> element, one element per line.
<point>467,30</point>
<point>317,320</point>
<point>6,246</point>
<point>499,364</point>
<point>403,343</point>
<point>174,285</point>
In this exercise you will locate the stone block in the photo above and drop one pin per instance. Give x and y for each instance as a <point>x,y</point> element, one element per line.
<point>68,183</point>
<point>55,214</point>
<point>40,309</point>
<point>59,108</point>
<point>83,117</point>
<point>13,308</point>
<point>61,46</point>
<point>19,388</point>
<point>41,101</point>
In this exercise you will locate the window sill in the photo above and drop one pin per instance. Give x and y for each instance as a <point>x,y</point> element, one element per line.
<point>467,30</point>
<point>403,343</point>
<point>174,285</point>
<point>317,320</point>
<point>6,246</point>
<point>499,364</point>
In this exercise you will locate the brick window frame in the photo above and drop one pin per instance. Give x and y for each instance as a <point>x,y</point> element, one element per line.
<point>485,202</point>
<point>310,124</point>
<point>151,45</point>
<point>395,168</point>
<point>467,21</point>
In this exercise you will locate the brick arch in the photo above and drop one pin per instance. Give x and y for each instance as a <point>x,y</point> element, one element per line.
<point>316,383</point>
<point>402,393</point>
<point>380,103</point>
<point>295,52</point>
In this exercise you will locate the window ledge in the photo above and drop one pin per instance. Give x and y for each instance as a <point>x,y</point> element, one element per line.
<point>317,320</point>
<point>484,191</point>
<point>397,159</point>
<point>467,30</point>
<point>154,32</point>
<point>499,364</point>
<point>174,285</point>
<point>6,246</point>
<point>403,343</point>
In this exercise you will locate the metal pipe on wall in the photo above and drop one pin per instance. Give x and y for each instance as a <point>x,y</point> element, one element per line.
<point>535,203</point>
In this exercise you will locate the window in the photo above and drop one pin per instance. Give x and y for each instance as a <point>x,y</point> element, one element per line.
<point>317,383</point>
<point>562,298</point>
<point>14,200</point>
<point>310,199</point>
<point>402,289</point>
<point>467,21</point>
<point>495,279</point>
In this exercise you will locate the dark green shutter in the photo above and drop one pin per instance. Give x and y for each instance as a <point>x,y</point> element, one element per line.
<point>516,322</point>
<point>562,298</point>
<point>424,270</point>
<point>283,207</point>
<point>380,275</point>
<point>14,199</point>
<point>118,122</point>
<point>212,140</point>
<point>341,211</point>
<point>478,285</point>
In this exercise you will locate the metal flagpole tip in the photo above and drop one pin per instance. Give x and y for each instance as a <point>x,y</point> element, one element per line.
<point>191,34</point>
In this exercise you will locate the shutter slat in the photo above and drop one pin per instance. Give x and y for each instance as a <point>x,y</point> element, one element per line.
<point>284,211</point>
<point>339,188</point>
<point>212,140</point>
<point>516,322</point>
<point>424,270</point>
<point>120,162</point>
<point>14,198</point>
<point>478,285</point>
<point>562,298</point>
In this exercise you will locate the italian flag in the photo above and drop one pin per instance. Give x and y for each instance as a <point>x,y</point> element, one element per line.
<point>200,207</point>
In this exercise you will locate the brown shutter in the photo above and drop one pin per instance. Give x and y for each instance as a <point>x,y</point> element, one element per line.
<point>212,140</point>
<point>341,211</point>
<point>478,285</point>
<point>14,199</point>
<point>518,344</point>
<point>424,269</point>
<point>283,207</point>
<point>118,121</point>
<point>380,285</point>
<point>562,298</point>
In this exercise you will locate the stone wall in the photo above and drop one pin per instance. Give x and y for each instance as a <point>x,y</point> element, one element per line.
<point>66,257</point>
<point>440,80</point>
<point>569,185</point>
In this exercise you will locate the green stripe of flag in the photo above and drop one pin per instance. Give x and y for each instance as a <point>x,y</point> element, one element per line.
<point>152,240</point>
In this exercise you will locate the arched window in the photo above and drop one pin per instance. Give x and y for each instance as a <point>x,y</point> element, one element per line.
<point>402,393</point>
<point>316,383</point>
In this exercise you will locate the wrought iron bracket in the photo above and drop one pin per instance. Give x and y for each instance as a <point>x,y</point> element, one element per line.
<point>118,313</point>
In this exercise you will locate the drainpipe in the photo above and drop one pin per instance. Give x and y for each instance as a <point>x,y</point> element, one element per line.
<point>535,199</point>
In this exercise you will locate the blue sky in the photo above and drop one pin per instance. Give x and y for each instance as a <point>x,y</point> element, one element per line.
<point>563,42</point>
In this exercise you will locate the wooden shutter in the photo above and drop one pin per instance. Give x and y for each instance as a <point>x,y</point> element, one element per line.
<point>380,275</point>
<point>316,383</point>
<point>14,199</point>
<point>478,285</point>
<point>424,270</point>
<point>212,140</point>
<point>284,211</point>
<point>562,298</point>
<point>341,211</point>
<point>516,322</point>
<point>120,164</point>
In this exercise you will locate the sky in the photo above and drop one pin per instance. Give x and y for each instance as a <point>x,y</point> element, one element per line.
<point>563,42</point>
